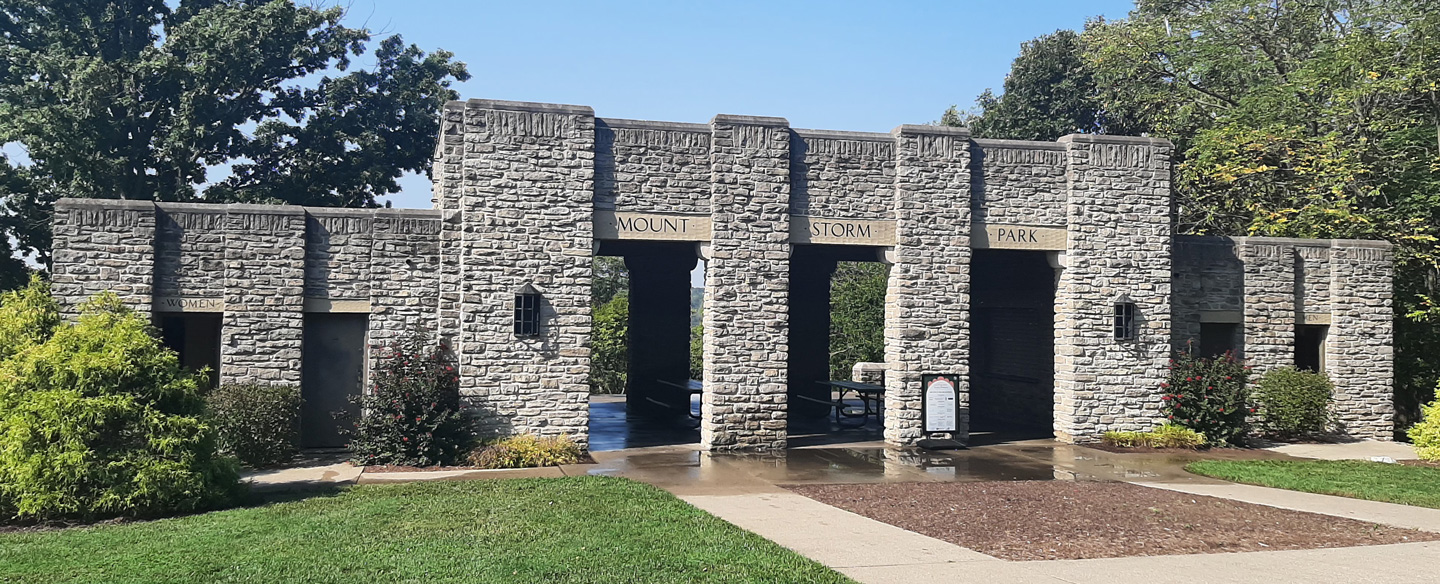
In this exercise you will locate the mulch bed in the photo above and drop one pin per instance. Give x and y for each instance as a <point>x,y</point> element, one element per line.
<point>1067,520</point>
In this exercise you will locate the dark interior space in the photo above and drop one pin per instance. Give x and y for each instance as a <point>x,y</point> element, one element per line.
<point>332,371</point>
<point>1012,344</point>
<point>1217,338</point>
<point>1310,347</point>
<point>195,337</point>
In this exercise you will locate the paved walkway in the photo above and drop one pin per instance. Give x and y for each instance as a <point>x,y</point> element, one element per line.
<point>1362,450</point>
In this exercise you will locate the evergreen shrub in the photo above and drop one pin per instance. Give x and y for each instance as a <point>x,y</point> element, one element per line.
<point>258,423</point>
<point>1293,403</point>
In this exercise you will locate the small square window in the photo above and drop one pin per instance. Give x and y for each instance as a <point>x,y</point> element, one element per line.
<point>1125,328</point>
<point>527,313</point>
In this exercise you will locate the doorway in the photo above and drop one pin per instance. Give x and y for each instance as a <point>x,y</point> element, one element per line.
<point>195,338</point>
<point>332,374</point>
<point>1012,344</point>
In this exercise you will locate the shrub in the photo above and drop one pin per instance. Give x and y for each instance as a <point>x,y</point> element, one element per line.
<point>1208,396</point>
<point>258,423</point>
<point>609,346</point>
<point>1425,434</point>
<point>1163,436</point>
<point>526,451</point>
<point>411,415</point>
<point>98,419</point>
<point>1293,403</point>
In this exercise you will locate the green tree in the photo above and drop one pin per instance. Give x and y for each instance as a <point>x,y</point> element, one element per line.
<point>857,315</point>
<point>135,99</point>
<point>609,345</point>
<point>1049,92</point>
<point>609,278</point>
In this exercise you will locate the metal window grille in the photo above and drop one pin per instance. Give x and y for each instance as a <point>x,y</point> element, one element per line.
<point>1125,329</point>
<point>527,314</point>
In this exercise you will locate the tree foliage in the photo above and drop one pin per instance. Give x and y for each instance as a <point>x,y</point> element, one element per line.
<point>1295,119</point>
<point>609,346</point>
<point>857,315</point>
<point>136,99</point>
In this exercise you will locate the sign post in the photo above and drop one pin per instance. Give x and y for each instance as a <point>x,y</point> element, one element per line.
<point>940,411</point>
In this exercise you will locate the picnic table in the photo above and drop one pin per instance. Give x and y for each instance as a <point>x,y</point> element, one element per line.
<point>872,398</point>
<point>692,387</point>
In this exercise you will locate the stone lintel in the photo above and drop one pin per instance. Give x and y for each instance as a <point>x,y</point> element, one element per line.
<point>960,132</point>
<point>843,135</point>
<point>530,106</point>
<point>329,305</point>
<point>1222,316</point>
<point>652,125</point>
<point>738,120</point>
<point>1110,139</point>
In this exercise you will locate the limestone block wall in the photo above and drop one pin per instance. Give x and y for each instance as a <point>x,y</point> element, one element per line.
<point>1360,351</point>
<point>1118,247</point>
<point>338,243</point>
<point>656,167</point>
<point>927,301</point>
<point>263,326</point>
<point>404,268</point>
<point>103,245</point>
<point>1018,182</point>
<point>1208,277</point>
<point>1270,309</point>
<point>190,250</point>
<point>525,179</point>
<point>842,175</point>
<point>747,285</point>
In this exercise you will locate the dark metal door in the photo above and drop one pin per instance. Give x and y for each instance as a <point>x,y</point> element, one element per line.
<point>332,370</point>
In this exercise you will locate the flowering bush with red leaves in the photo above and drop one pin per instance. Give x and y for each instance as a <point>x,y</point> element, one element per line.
<point>411,413</point>
<point>1209,396</point>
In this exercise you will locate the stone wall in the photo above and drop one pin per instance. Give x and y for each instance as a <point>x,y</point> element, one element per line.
<point>1118,249</point>
<point>747,285</point>
<point>1278,284</point>
<point>517,199</point>
<point>927,302</point>
<point>1018,182</point>
<point>657,167</point>
<point>842,175</point>
<point>103,245</point>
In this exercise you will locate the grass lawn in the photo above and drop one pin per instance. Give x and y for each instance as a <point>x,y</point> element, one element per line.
<point>1391,483</point>
<point>581,529</point>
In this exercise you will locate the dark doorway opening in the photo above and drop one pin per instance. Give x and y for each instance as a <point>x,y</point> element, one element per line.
<point>1310,347</point>
<point>1012,344</point>
<point>642,347</point>
<point>195,338</point>
<point>332,372</point>
<point>837,296</point>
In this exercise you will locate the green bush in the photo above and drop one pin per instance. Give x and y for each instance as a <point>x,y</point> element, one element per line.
<point>1425,434</point>
<point>411,415</point>
<point>1293,403</point>
<point>97,419</point>
<point>526,451</point>
<point>609,346</point>
<point>1164,436</point>
<point>1208,396</point>
<point>258,423</point>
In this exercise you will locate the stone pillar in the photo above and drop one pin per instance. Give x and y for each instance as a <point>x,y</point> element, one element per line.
<point>517,211</point>
<point>810,272</point>
<point>927,303</point>
<point>405,274</point>
<point>747,285</point>
<point>264,294</point>
<point>1360,351</point>
<point>659,344</point>
<point>1118,247</point>
<point>1269,304</point>
<point>103,245</point>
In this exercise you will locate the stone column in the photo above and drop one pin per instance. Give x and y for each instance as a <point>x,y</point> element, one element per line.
<point>1360,351</point>
<point>747,285</point>
<point>1118,247</point>
<point>927,303</point>
<point>523,217</point>
<point>659,344</point>
<point>810,272</point>
<point>264,294</point>
<point>1269,304</point>
<point>103,245</point>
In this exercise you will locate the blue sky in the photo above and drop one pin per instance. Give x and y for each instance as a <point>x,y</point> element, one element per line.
<point>866,66</point>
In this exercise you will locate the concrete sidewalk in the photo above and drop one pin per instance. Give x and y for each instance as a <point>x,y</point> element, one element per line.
<point>1360,450</point>
<point>1407,516</point>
